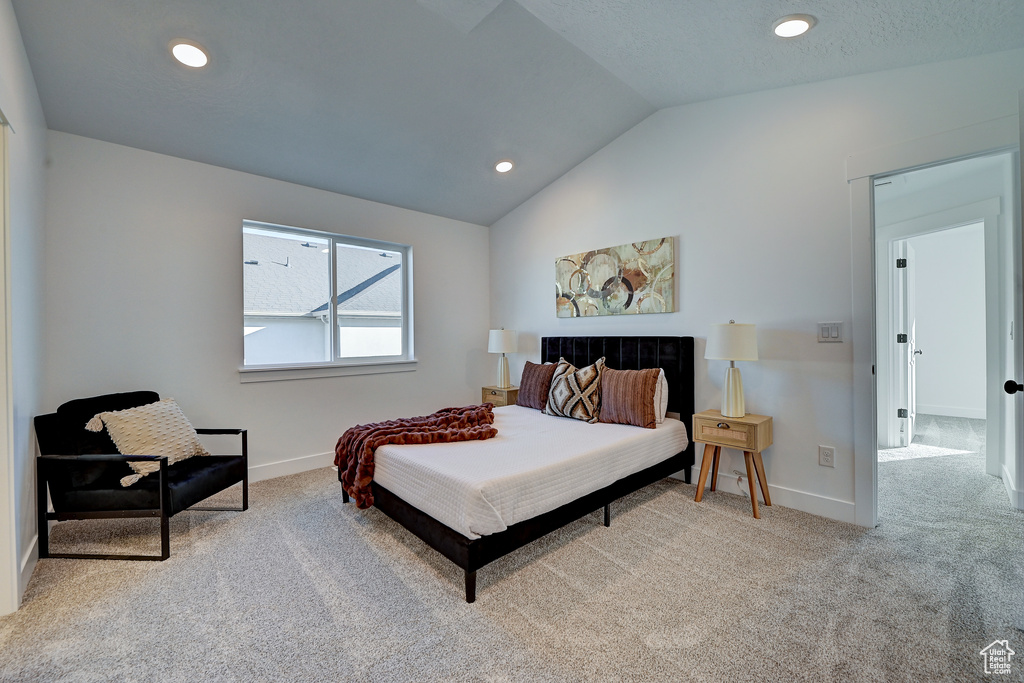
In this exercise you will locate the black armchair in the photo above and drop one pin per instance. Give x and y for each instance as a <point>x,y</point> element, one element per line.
<point>82,472</point>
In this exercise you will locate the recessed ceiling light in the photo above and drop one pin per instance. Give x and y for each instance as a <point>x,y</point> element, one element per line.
<point>793,25</point>
<point>503,166</point>
<point>189,53</point>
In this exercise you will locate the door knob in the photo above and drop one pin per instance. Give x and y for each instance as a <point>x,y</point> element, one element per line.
<point>1012,387</point>
<point>919,352</point>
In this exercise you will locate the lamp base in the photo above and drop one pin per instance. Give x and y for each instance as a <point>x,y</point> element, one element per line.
<point>503,381</point>
<point>732,394</point>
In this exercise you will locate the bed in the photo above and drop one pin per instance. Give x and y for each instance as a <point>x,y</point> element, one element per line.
<point>479,516</point>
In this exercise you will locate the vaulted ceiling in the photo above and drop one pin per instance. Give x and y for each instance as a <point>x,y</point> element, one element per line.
<point>411,102</point>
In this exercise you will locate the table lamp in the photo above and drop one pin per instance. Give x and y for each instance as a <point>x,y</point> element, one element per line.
<point>732,342</point>
<point>502,341</point>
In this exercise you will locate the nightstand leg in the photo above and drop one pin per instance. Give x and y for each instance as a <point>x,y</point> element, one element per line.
<point>705,465</point>
<point>714,467</point>
<point>749,458</point>
<point>763,480</point>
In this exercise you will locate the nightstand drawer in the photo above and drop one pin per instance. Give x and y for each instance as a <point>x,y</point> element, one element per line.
<point>499,396</point>
<point>725,433</point>
<point>493,396</point>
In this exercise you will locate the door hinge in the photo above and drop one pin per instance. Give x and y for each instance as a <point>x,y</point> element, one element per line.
<point>901,263</point>
<point>901,339</point>
<point>902,412</point>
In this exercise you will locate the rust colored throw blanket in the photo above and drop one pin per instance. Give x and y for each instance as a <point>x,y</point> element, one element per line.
<point>355,450</point>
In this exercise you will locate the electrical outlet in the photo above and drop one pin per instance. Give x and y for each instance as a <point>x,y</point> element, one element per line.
<point>827,456</point>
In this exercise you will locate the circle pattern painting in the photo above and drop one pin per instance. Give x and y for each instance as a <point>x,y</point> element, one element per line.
<point>631,278</point>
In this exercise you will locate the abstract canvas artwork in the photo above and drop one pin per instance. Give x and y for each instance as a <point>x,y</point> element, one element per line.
<point>632,278</point>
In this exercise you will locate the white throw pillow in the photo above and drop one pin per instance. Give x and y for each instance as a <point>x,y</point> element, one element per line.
<point>153,429</point>
<point>661,397</point>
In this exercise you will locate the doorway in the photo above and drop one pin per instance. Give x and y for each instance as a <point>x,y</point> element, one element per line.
<point>944,307</point>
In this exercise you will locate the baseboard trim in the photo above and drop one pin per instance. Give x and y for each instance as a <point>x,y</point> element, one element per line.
<point>1016,497</point>
<point>28,565</point>
<point>823,506</point>
<point>285,467</point>
<point>951,411</point>
<point>812,503</point>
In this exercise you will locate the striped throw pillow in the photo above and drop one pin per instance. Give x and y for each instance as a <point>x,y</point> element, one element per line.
<point>535,385</point>
<point>627,397</point>
<point>576,393</point>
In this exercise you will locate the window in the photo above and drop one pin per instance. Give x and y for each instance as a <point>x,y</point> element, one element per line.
<point>315,300</point>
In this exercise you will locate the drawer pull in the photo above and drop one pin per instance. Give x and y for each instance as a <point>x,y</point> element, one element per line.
<point>723,425</point>
<point>494,393</point>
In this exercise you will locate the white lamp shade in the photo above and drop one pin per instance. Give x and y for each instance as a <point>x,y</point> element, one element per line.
<point>731,341</point>
<point>501,341</point>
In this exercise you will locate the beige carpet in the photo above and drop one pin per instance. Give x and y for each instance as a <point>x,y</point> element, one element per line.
<point>303,588</point>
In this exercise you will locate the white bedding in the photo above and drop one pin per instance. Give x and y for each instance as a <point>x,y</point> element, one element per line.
<point>535,464</point>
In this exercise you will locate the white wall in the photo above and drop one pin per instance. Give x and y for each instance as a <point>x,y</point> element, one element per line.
<point>19,102</point>
<point>755,188</point>
<point>144,289</point>
<point>951,322</point>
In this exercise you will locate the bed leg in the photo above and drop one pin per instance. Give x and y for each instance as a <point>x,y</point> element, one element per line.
<point>608,514</point>
<point>470,586</point>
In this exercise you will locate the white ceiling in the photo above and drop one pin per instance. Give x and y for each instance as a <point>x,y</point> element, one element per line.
<point>411,102</point>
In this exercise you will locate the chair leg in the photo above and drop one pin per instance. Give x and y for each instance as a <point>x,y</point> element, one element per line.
<point>165,536</point>
<point>245,476</point>
<point>245,482</point>
<point>165,520</point>
<point>45,516</point>
<point>245,490</point>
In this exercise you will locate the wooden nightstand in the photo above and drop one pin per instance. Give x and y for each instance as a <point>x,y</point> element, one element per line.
<point>750,434</point>
<point>499,396</point>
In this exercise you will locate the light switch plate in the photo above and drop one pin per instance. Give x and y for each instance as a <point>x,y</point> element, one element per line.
<point>830,332</point>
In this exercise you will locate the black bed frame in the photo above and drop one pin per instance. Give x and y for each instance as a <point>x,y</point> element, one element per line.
<point>673,354</point>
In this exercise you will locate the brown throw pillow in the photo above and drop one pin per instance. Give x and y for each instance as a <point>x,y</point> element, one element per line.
<point>576,393</point>
<point>627,397</point>
<point>535,385</point>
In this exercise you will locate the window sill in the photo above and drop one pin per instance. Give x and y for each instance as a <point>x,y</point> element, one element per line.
<point>279,373</point>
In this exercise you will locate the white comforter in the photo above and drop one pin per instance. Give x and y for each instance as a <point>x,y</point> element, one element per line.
<point>535,464</point>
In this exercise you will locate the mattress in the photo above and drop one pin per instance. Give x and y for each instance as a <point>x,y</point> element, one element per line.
<point>535,464</point>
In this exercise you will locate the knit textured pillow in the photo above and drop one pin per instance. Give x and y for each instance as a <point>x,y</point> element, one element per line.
<point>627,397</point>
<point>535,385</point>
<point>576,393</point>
<point>153,429</point>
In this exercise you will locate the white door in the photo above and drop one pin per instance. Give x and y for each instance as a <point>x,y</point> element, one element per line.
<point>1013,462</point>
<point>906,351</point>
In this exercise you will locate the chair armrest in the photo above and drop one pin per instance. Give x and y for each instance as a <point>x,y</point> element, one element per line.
<point>244,433</point>
<point>101,457</point>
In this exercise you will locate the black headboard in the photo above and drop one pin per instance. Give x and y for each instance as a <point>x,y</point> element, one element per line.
<point>673,354</point>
